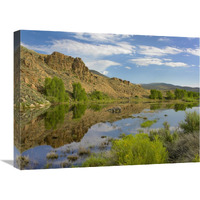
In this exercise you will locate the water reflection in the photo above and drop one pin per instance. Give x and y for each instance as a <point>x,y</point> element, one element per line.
<point>155,106</point>
<point>55,116</point>
<point>65,128</point>
<point>176,107</point>
<point>78,110</point>
<point>96,107</point>
<point>183,107</point>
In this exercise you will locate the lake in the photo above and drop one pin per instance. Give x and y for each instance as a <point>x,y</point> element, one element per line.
<point>64,136</point>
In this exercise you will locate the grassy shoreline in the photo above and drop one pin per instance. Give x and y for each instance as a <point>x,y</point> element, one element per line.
<point>110,101</point>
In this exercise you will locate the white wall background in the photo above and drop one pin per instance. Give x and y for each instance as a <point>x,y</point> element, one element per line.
<point>149,17</point>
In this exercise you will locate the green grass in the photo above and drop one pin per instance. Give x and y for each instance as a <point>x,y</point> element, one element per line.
<point>95,161</point>
<point>148,123</point>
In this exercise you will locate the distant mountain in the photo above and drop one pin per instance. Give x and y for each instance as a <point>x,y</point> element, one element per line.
<point>165,86</point>
<point>98,73</point>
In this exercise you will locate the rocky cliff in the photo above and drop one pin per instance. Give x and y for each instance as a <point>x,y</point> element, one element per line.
<point>35,67</point>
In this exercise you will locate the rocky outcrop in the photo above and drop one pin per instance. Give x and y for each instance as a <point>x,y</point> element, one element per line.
<point>59,61</point>
<point>79,68</point>
<point>35,67</point>
<point>121,81</point>
<point>115,109</point>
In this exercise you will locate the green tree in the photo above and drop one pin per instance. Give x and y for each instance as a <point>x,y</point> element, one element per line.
<point>180,94</point>
<point>79,93</point>
<point>55,90</point>
<point>155,94</point>
<point>159,94</point>
<point>190,94</point>
<point>169,95</point>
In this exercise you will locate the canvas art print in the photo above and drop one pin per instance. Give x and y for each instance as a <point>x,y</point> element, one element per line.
<point>88,99</point>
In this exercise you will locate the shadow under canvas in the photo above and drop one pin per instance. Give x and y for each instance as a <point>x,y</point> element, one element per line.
<point>10,162</point>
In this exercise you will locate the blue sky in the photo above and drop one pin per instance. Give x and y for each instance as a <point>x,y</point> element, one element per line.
<point>137,58</point>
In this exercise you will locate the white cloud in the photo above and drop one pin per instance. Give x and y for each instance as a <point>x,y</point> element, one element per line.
<point>164,39</point>
<point>147,61</point>
<point>101,65</point>
<point>167,59</point>
<point>155,51</point>
<point>100,37</point>
<point>156,61</point>
<point>195,52</point>
<point>175,64</point>
<point>105,72</point>
<point>79,49</point>
<point>127,67</point>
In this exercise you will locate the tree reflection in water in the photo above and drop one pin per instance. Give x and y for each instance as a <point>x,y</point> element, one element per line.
<point>55,116</point>
<point>78,110</point>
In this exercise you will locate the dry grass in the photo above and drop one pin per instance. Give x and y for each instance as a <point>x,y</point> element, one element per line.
<point>65,164</point>
<point>52,155</point>
<point>83,151</point>
<point>72,157</point>
<point>22,161</point>
<point>185,148</point>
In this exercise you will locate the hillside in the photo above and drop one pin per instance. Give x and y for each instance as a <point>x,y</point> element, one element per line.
<point>165,86</point>
<point>98,73</point>
<point>35,67</point>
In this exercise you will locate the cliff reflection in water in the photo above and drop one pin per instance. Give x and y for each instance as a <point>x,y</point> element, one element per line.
<point>61,124</point>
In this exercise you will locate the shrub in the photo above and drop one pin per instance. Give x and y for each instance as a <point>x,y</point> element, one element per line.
<point>164,135</point>
<point>138,149</point>
<point>191,123</point>
<point>52,155</point>
<point>197,158</point>
<point>185,148</point>
<point>97,95</point>
<point>22,161</point>
<point>72,157</point>
<point>83,151</point>
<point>65,164</point>
<point>94,161</point>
